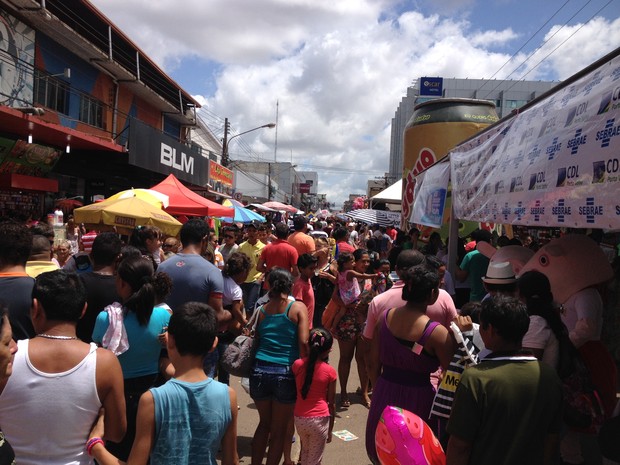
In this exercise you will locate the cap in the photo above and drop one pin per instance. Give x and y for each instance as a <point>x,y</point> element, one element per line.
<point>500,273</point>
<point>470,246</point>
<point>253,224</point>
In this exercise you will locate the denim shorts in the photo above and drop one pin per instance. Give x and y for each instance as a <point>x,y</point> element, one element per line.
<point>272,381</point>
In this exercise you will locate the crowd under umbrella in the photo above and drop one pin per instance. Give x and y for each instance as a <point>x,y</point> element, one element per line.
<point>242,214</point>
<point>127,214</point>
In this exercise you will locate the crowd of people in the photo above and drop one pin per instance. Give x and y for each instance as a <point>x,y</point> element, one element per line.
<point>128,334</point>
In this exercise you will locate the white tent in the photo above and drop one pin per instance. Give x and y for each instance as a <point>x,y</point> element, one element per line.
<point>392,194</point>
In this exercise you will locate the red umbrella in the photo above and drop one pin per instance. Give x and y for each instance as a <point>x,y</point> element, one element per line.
<point>281,207</point>
<point>68,204</point>
<point>184,201</point>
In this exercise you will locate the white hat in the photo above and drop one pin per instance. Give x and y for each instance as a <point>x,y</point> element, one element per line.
<point>352,224</point>
<point>500,273</point>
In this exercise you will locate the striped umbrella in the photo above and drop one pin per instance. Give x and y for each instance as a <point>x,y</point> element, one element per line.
<point>380,217</point>
<point>242,214</point>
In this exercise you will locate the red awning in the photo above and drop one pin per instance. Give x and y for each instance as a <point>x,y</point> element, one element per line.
<point>183,201</point>
<point>32,183</point>
<point>46,133</point>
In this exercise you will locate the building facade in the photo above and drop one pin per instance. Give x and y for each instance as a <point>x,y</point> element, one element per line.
<point>83,111</point>
<point>506,95</point>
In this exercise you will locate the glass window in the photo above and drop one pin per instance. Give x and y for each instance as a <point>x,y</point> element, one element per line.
<point>51,92</point>
<point>91,111</point>
<point>513,104</point>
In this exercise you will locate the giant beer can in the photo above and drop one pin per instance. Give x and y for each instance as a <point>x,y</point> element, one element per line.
<point>435,128</point>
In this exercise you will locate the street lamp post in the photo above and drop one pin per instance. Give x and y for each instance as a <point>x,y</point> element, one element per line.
<point>226,140</point>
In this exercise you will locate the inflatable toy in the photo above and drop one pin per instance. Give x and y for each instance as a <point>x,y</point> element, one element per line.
<point>572,263</point>
<point>403,438</point>
<point>516,255</point>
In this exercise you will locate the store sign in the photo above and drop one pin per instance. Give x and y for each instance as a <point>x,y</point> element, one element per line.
<point>304,187</point>
<point>218,173</point>
<point>20,157</point>
<point>152,150</point>
<point>431,86</point>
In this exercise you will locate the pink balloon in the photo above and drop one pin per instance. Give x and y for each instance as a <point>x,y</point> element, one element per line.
<point>403,438</point>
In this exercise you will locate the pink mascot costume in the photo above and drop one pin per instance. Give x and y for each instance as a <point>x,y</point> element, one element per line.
<point>575,266</point>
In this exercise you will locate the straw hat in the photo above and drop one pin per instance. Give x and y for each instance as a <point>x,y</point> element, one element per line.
<point>500,273</point>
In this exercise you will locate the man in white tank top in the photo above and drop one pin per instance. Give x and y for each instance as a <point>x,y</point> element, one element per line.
<point>59,383</point>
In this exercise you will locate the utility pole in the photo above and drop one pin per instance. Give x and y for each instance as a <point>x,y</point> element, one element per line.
<point>225,159</point>
<point>269,188</point>
<point>386,179</point>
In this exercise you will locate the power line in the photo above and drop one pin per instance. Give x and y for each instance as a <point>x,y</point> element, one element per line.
<point>546,41</point>
<point>523,46</point>
<point>565,40</point>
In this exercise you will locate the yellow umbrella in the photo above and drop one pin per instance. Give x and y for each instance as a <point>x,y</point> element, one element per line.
<point>148,195</point>
<point>127,213</point>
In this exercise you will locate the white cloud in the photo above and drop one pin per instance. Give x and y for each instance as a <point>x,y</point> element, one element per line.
<point>337,68</point>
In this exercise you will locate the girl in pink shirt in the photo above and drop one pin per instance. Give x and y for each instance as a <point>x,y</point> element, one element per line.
<point>316,392</point>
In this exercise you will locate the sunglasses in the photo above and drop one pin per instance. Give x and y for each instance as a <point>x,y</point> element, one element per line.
<point>167,246</point>
<point>229,237</point>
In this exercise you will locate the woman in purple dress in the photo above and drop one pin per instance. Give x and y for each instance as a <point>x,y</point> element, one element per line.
<point>406,348</point>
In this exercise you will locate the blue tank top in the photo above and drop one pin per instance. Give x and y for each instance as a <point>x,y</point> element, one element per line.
<point>190,422</point>
<point>277,338</point>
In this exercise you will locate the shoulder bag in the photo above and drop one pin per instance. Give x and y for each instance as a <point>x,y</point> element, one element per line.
<point>238,357</point>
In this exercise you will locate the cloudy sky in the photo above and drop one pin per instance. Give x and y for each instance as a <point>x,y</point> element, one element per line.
<point>338,68</point>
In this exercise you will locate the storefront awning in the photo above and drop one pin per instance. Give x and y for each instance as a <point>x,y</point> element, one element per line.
<point>32,183</point>
<point>16,122</point>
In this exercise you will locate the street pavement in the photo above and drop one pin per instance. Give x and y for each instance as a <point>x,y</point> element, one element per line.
<point>352,419</point>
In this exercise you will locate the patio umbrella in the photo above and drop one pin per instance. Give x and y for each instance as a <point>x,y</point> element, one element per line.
<point>183,201</point>
<point>148,195</point>
<point>261,207</point>
<point>323,214</point>
<point>380,217</point>
<point>281,207</point>
<point>68,204</point>
<point>242,214</point>
<point>127,213</point>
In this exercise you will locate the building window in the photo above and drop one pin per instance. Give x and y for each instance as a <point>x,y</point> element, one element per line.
<point>514,104</point>
<point>91,111</point>
<point>51,92</point>
<point>498,103</point>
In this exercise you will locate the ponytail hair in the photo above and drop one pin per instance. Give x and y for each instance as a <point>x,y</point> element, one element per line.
<point>280,282</point>
<point>320,341</point>
<point>138,273</point>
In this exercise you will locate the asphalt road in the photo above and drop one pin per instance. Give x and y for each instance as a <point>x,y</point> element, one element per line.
<point>338,451</point>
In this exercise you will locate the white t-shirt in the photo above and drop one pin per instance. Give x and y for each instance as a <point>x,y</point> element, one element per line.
<point>232,291</point>
<point>540,336</point>
<point>353,237</point>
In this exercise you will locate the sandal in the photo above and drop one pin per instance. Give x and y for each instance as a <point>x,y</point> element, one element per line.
<point>345,403</point>
<point>358,391</point>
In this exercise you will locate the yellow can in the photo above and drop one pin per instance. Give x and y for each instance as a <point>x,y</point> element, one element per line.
<point>435,128</point>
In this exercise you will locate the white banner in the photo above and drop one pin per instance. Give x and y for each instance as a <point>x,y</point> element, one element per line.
<point>431,190</point>
<point>555,164</point>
